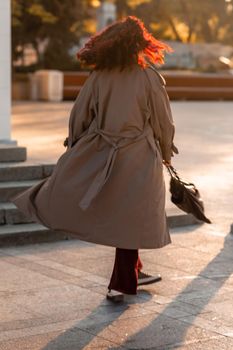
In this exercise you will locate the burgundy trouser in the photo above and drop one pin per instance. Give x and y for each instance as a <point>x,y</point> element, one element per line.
<point>124,277</point>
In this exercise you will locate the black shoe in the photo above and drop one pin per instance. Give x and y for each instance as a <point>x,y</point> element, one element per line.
<point>144,278</point>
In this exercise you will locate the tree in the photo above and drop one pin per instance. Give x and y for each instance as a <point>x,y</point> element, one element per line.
<point>28,20</point>
<point>184,20</point>
<point>59,23</point>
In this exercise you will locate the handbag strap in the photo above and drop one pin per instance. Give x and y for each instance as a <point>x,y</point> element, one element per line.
<point>173,173</point>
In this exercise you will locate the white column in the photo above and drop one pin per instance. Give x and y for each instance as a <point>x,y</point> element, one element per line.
<point>5,72</point>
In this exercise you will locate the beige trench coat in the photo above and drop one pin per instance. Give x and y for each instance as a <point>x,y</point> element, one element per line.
<point>108,186</point>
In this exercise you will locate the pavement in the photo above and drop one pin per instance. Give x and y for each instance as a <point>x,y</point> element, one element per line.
<point>52,295</point>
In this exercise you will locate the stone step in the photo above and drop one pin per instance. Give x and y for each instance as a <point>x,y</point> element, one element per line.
<point>10,214</point>
<point>29,233</point>
<point>9,189</point>
<point>177,218</point>
<point>24,171</point>
<point>12,153</point>
<point>11,235</point>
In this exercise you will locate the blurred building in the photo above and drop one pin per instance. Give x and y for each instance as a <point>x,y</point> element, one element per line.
<point>106,14</point>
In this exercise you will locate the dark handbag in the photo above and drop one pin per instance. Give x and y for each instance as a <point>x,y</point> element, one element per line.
<point>186,196</point>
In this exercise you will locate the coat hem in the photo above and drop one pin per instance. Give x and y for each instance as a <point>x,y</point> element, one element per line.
<point>77,236</point>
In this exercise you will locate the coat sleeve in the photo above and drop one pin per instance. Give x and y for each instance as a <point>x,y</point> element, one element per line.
<point>83,111</point>
<point>161,115</point>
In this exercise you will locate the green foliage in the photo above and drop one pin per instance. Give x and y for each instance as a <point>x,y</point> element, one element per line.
<point>187,20</point>
<point>39,11</point>
<point>55,22</point>
<point>61,24</point>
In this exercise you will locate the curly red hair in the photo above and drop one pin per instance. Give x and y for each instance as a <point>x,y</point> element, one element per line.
<point>123,43</point>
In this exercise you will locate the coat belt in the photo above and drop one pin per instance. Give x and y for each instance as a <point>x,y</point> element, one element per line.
<point>122,141</point>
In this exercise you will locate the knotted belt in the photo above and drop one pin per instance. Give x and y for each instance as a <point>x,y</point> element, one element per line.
<point>122,141</point>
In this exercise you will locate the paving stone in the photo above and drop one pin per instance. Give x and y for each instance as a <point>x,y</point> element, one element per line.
<point>38,251</point>
<point>65,270</point>
<point>10,311</point>
<point>146,331</point>
<point>219,269</point>
<point>221,312</point>
<point>182,286</point>
<point>206,300</point>
<point>167,257</point>
<point>175,309</point>
<point>206,243</point>
<point>215,343</point>
<point>16,278</point>
<point>201,297</point>
<point>61,321</point>
<point>222,343</point>
<point>76,253</point>
<point>86,316</point>
<point>82,259</point>
<point>36,342</point>
<point>60,268</point>
<point>68,340</point>
<point>71,299</point>
<point>43,329</point>
<point>222,315</point>
<point>60,272</point>
<point>80,340</point>
<point>204,323</point>
<point>89,264</point>
<point>78,277</point>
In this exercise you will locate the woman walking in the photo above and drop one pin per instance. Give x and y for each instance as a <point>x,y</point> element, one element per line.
<point>108,186</point>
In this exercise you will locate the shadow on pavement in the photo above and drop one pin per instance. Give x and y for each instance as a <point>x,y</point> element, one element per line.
<point>216,272</point>
<point>86,330</point>
<point>159,334</point>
